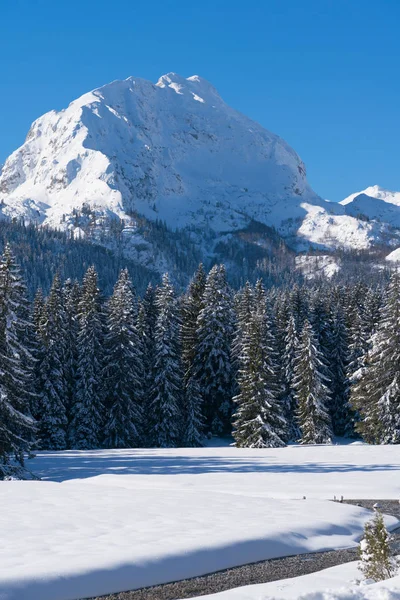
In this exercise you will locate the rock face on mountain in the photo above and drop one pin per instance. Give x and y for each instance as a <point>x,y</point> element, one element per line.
<point>133,153</point>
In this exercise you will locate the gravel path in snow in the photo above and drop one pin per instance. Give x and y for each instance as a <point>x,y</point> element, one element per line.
<point>261,572</point>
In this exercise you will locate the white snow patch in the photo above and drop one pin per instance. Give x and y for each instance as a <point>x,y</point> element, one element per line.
<point>394,256</point>
<point>315,266</point>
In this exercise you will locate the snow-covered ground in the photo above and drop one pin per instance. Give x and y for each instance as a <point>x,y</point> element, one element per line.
<point>109,520</point>
<point>317,266</point>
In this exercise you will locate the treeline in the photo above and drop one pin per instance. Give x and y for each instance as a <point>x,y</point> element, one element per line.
<point>78,370</point>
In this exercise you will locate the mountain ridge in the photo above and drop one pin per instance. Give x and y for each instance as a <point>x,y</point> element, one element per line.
<point>132,152</point>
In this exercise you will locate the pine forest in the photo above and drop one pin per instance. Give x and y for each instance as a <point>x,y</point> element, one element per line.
<point>269,366</point>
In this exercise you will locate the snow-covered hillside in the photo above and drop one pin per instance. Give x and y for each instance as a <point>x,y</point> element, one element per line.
<point>374,203</point>
<point>375,191</point>
<point>176,152</point>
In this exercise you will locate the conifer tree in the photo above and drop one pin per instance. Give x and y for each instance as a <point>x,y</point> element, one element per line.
<point>147,326</point>
<point>215,325</point>
<point>340,386</point>
<point>376,396</point>
<point>299,306</point>
<point>17,427</point>
<point>374,551</point>
<point>88,412</point>
<point>123,371</point>
<point>244,307</point>
<point>39,318</point>
<point>166,398</point>
<point>38,310</point>
<point>371,312</point>
<point>193,424</point>
<point>288,369</point>
<point>312,393</point>
<point>191,306</point>
<point>53,392</point>
<point>358,345</point>
<point>259,420</point>
<point>71,298</point>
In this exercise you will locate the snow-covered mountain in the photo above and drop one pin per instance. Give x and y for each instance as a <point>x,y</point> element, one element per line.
<point>375,203</point>
<point>172,152</point>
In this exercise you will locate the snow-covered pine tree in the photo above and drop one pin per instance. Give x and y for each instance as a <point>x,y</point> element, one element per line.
<point>53,387</point>
<point>371,311</point>
<point>376,561</point>
<point>376,396</point>
<point>38,310</point>
<point>71,298</point>
<point>299,304</point>
<point>215,326</point>
<point>38,319</point>
<point>88,411</point>
<point>123,369</point>
<point>259,420</point>
<point>147,328</point>
<point>17,427</point>
<point>312,393</point>
<point>166,399</point>
<point>341,413</point>
<point>244,307</point>
<point>321,320</point>
<point>288,359</point>
<point>192,303</point>
<point>193,424</point>
<point>358,344</point>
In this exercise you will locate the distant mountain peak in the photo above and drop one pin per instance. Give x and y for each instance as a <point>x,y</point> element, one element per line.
<point>375,191</point>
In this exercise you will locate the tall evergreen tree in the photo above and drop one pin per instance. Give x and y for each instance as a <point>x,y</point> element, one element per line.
<point>193,424</point>
<point>123,371</point>
<point>38,310</point>
<point>215,325</point>
<point>53,394</point>
<point>71,298</point>
<point>191,306</point>
<point>166,398</point>
<point>147,331</point>
<point>376,396</point>
<point>341,413</point>
<point>88,411</point>
<point>17,427</point>
<point>291,341</point>
<point>312,392</point>
<point>259,420</point>
<point>244,307</point>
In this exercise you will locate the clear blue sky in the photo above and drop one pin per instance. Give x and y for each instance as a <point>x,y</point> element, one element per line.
<point>323,74</point>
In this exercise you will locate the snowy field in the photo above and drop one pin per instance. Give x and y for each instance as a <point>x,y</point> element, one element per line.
<point>109,520</point>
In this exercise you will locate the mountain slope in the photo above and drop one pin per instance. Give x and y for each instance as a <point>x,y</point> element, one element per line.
<point>131,153</point>
<point>374,203</point>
